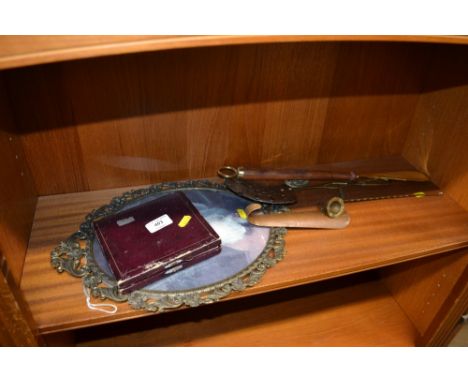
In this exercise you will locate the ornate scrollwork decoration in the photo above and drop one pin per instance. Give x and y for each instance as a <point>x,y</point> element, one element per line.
<point>75,256</point>
<point>68,255</point>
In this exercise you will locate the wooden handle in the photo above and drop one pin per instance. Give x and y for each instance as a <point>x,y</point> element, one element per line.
<point>312,218</point>
<point>229,172</point>
<point>282,174</point>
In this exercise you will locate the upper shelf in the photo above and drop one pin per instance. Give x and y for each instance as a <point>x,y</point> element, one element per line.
<point>18,51</point>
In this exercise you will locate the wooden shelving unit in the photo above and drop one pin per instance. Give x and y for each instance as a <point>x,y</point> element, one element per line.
<point>84,118</point>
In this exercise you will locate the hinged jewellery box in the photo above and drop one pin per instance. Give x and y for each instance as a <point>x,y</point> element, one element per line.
<point>153,240</point>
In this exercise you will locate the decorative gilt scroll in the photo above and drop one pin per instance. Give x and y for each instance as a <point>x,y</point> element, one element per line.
<point>76,256</point>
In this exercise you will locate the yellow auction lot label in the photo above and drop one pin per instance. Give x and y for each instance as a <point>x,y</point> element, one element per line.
<point>184,221</point>
<point>241,213</point>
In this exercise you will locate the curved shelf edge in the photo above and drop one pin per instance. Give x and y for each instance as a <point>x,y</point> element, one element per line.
<point>19,51</point>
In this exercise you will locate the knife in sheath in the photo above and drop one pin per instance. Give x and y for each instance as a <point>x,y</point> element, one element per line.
<point>328,196</point>
<point>352,191</point>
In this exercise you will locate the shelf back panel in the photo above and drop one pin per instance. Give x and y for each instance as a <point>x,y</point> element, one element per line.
<point>150,117</point>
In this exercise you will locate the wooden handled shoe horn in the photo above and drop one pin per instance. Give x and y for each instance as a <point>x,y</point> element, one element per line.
<point>331,215</point>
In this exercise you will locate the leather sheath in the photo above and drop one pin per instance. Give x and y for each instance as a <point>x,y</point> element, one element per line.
<point>319,193</point>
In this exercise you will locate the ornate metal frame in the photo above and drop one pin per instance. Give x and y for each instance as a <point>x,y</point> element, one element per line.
<point>75,256</point>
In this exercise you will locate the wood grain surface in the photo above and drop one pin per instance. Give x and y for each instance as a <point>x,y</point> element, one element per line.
<point>349,312</point>
<point>422,287</point>
<point>16,51</point>
<point>104,123</point>
<point>144,118</point>
<point>16,325</point>
<point>17,192</point>
<point>14,329</point>
<point>445,325</point>
<point>149,117</point>
<point>438,139</point>
<point>381,233</point>
<point>372,100</point>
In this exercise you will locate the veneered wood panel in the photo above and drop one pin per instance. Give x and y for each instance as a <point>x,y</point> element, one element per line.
<point>438,140</point>
<point>374,93</point>
<point>16,326</point>
<point>18,51</point>
<point>444,326</point>
<point>17,193</point>
<point>28,50</point>
<point>45,121</point>
<point>422,287</point>
<point>437,144</point>
<point>162,116</point>
<point>143,118</point>
<point>339,313</point>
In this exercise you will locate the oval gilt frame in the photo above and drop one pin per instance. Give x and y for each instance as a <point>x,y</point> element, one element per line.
<point>75,256</point>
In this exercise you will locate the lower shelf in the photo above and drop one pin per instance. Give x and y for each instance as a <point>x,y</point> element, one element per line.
<point>342,312</point>
<point>381,233</point>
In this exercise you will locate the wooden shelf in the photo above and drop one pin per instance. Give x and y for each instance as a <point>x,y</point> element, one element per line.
<point>344,312</point>
<point>381,233</point>
<point>17,51</point>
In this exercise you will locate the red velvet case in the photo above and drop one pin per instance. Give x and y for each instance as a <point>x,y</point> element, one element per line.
<point>148,242</point>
